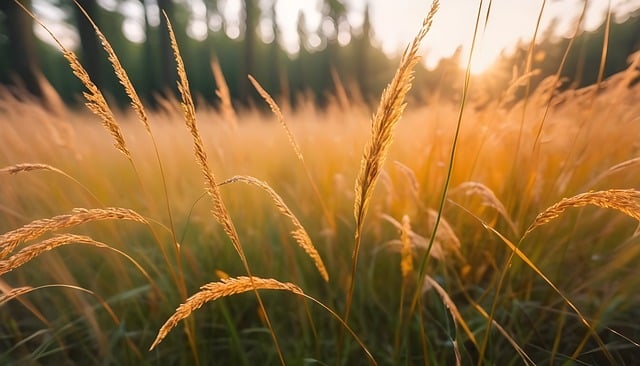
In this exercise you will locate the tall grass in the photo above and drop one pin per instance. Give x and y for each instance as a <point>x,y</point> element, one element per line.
<point>532,255</point>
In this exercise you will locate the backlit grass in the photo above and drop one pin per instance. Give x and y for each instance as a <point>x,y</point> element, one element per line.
<point>534,260</point>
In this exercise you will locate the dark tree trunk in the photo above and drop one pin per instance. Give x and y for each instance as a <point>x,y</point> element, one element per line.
<point>363,45</point>
<point>23,57</point>
<point>151,84</point>
<point>251,14</point>
<point>168,71</point>
<point>91,51</point>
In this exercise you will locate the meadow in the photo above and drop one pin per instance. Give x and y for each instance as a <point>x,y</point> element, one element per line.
<point>452,233</point>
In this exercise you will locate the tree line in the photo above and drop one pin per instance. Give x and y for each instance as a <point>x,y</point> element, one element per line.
<point>321,67</point>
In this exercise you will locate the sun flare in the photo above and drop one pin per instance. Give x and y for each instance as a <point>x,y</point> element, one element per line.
<point>481,61</point>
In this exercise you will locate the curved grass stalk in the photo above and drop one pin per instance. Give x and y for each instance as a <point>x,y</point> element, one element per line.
<point>299,234</point>
<point>626,201</point>
<point>95,100</point>
<point>488,199</point>
<point>20,291</point>
<point>612,170</point>
<point>390,110</point>
<point>523,355</point>
<point>454,146</point>
<point>515,251</point>
<point>236,285</point>
<point>220,212</point>
<point>28,167</point>
<point>296,148</point>
<point>138,107</point>
<point>98,105</point>
<point>27,254</point>
<point>11,239</point>
<point>455,314</point>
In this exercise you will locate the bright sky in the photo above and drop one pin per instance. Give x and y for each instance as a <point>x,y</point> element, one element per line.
<point>394,22</point>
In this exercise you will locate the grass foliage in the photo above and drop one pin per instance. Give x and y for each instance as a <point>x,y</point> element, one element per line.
<point>523,214</point>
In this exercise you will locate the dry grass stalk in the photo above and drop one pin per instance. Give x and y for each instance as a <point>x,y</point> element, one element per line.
<point>299,234</point>
<point>27,167</point>
<point>296,148</point>
<point>220,211</point>
<point>614,169</point>
<point>626,201</point>
<point>510,94</point>
<point>6,288</point>
<point>523,355</point>
<point>406,253</point>
<point>631,74</point>
<point>11,239</point>
<point>517,252</point>
<point>488,199</point>
<point>453,309</point>
<point>445,235</point>
<point>276,110</point>
<point>414,184</point>
<point>136,104</point>
<point>437,249</point>
<point>32,251</point>
<point>221,274</point>
<point>223,93</point>
<point>341,93</point>
<point>416,240</point>
<point>97,104</point>
<point>215,290</point>
<point>13,293</point>
<point>95,100</point>
<point>412,179</point>
<point>390,109</point>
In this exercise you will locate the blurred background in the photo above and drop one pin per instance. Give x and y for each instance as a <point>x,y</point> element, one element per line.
<point>310,48</point>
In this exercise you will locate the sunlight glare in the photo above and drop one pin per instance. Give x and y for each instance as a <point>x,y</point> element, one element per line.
<point>482,60</point>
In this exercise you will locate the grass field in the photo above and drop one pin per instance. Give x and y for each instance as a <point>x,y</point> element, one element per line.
<point>534,260</point>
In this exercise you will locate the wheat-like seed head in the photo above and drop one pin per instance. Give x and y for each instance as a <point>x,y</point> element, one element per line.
<point>220,211</point>
<point>27,167</point>
<point>215,290</point>
<point>626,201</point>
<point>32,251</point>
<point>488,199</point>
<point>299,234</point>
<point>406,253</point>
<point>95,100</point>
<point>189,111</point>
<point>223,93</point>
<point>13,293</point>
<point>11,239</point>
<point>276,110</point>
<point>416,240</point>
<point>97,104</point>
<point>341,93</point>
<point>390,109</point>
<point>614,169</point>
<point>518,81</point>
<point>411,178</point>
<point>445,235</point>
<point>304,241</point>
<point>120,72</point>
